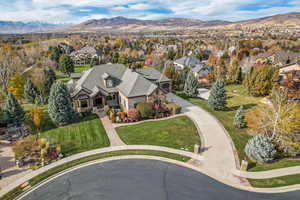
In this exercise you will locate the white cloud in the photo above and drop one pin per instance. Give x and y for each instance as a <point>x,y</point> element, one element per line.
<point>57,10</point>
<point>142,6</point>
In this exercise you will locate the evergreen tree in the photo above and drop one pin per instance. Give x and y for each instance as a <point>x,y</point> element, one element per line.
<point>13,111</point>
<point>50,78</point>
<point>191,85</point>
<point>60,107</point>
<point>239,118</point>
<point>235,72</point>
<point>217,98</point>
<point>30,91</point>
<point>66,64</point>
<point>260,80</point>
<point>55,53</point>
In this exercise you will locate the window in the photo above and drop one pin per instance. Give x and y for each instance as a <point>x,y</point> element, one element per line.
<point>109,83</point>
<point>111,97</point>
<point>84,103</point>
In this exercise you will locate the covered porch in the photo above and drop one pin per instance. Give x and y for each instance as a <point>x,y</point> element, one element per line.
<point>86,103</point>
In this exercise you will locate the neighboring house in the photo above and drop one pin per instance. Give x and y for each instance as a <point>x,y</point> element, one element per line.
<point>85,55</point>
<point>116,86</point>
<point>199,69</point>
<point>201,72</point>
<point>290,79</point>
<point>187,61</point>
<point>279,58</point>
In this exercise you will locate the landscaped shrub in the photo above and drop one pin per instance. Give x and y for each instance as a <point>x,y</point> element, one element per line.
<point>239,118</point>
<point>260,149</point>
<point>145,109</point>
<point>133,115</point>
<point>174,108</point>
<point>161,110</point>
<point>122,116</point>
<point>111,113</point>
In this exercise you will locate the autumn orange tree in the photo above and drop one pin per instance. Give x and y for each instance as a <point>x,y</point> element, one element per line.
<point>16,85</point>
<point>36,115</point>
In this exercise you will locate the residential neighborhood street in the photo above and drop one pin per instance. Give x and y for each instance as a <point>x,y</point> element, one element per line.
<point>136,179</point>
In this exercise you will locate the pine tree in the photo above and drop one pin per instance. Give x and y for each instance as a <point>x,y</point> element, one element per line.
<point>217,98</point>
<point>30,91</point>
<point>14,112</point>
<point>66,64</point>
<point>260,80</point>
<point>239,118</point>
<point>60,107</point>
<point>235,72</point>
<point>191,85</point>
<point>50,78</point>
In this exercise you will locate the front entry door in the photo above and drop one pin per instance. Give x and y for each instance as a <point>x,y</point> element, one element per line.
<point>98,102</point>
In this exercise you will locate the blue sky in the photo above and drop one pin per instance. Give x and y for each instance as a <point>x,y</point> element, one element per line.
<point>76,11</point>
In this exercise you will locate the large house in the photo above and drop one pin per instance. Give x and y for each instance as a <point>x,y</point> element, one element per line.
<point>198,68</point>
<point>116,86</point>
<point>85,55</point>
<point>279,58</point>
<point>187,61</point>
<point>289,79</point>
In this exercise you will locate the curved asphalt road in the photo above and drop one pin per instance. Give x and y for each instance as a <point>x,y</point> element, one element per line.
<point>136,179</point>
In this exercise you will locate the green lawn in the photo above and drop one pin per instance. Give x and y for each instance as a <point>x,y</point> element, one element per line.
<point>178,133</point>
<point>275,165</point>
<point>275,182</point>
<point>79,137</point>
<point>65,78</point>
<point>18,190</point>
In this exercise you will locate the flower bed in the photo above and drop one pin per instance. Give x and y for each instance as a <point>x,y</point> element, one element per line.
<point>144,111</point>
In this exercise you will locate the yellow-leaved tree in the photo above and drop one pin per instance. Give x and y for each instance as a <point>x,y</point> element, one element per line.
<point>36,115</point>
<point>16,85</point>
<point>279,120</point>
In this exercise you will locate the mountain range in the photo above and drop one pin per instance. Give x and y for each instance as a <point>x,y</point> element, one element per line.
<point>122,24</point>
<point>25,27</point>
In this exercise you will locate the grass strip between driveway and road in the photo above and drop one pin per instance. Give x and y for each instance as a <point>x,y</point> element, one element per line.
<point>18,190</point>
<point>276,182</point>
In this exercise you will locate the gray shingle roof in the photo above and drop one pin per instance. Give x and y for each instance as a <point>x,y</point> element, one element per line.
<point>133,85</point>
<point>128,82</point>
<point>202,69</point>
<point>189,61</point>
<point>152,74</point>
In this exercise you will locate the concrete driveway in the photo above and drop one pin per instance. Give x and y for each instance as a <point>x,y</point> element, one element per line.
<point>138,179</point>
<point>220,159</point>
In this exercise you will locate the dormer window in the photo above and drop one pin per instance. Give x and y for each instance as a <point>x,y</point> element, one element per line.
<point>108,81</point>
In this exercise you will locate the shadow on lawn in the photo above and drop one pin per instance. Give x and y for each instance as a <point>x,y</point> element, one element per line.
<point>246,107</point>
